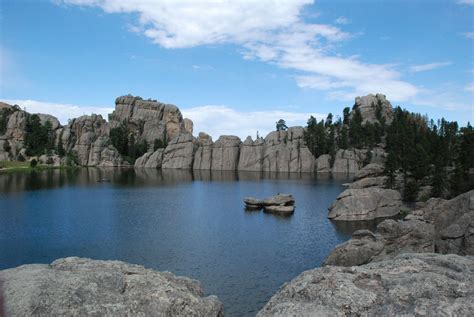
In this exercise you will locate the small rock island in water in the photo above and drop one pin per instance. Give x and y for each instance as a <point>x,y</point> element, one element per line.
<point>281,204</point>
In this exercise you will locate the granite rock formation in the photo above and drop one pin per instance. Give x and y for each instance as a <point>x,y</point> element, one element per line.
<point>409,285</point>
<point>85,287</point>
<point>365,204</point>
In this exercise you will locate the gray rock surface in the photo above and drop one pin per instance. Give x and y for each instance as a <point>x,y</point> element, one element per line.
<point>378,181</point>
<point>225,153</point>
<point>454,223</point>
<point>370,170</point>
<point>55,124</point>
<point>408,285</point>
<point>88,137</point>
<point>188,125</point>
<point>285,152</point>
<point>368,107</point>
<point>348,161</point>
<point>390,239</point>
<point>180,152</point>
<point>203,155</point>
<point>85,287</point>
<point>280,210</point>
<point>251,155</point>
<point>365,204</point>
<point>147,119</point>
<point>150,160</point>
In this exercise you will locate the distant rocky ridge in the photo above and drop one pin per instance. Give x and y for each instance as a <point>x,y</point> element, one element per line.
<point>150,120</point>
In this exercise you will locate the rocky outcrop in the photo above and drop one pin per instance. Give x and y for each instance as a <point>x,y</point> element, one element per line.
<point>55,124</point>
<point>149,120</point>
<point>85,287</point>
<point>348,161</point>
<point>203,155</point>
<point>285,152</point>
<point>365,204</point>
<point>88,137</point>
<point>390,239</point>
<point>251,155</point>
<point>281,204</point>
<point>150,160</point>
<point>378,181</point>
<point>368,108</point>
<point>409,285</point>
<point>453,222</point>
<point>225,153</point>
<point>180,152</point>
<point>370,170</point>
<point>188,125</point>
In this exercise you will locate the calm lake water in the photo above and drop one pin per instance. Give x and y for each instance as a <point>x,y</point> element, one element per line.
<point>189,223</point>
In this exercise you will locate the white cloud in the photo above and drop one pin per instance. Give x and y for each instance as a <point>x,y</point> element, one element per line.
<point>223,120</point>
<point>467,2</point>
<point>62,111</point>
<point>342,20</point>
<point>268,30</point>
<point>430,66</point>
<point>469,35</point>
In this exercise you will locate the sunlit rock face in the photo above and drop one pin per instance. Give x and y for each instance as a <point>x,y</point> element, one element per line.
<point>409,285</point>
<point>148,119</point>
<point>84,287</point>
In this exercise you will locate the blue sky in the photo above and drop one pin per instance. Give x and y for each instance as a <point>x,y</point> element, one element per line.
<point>235,67</point>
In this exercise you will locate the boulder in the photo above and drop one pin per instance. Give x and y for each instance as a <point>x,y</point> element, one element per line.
<point>280,199</point>
<point>85,287</point>
<point>361,249</point>
<point>180,152</point>
<point>280,210</point>
<point>225,153</point>
<point>378,181</point>
<point>391,238</point>
<point>253,203</point>
<point>454,223</point>
<point>408,285</point>
<point>370,170</point>
<point>365,204</point>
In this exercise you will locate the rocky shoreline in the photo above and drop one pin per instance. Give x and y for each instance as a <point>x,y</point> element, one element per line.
<point>422,264</point>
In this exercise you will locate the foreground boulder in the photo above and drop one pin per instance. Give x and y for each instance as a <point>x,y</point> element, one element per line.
<point>411,284</point>
<point>85,287</point>
<point>280,210</point>
<point>453,222</point>
<point>281,204</point>
<point>390,239</point>
<point>365,204</point>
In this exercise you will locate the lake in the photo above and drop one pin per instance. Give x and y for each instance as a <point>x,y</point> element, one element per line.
<point>189,223</point>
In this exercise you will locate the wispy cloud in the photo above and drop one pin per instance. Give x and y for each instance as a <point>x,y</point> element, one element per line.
<point>469,87</point>
<point>63,111</point>
<point>267,30</point>
<point>466,2</point>
<point>427,67</point>
<point>223,120</point>
<point>342,20</point>
<point>469,35</point>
